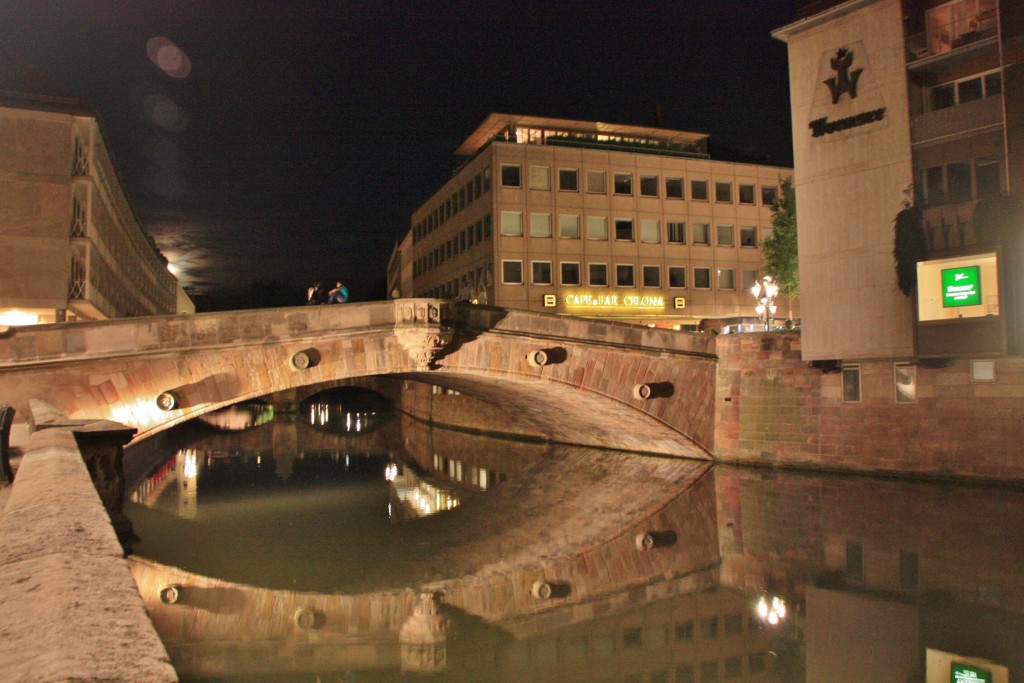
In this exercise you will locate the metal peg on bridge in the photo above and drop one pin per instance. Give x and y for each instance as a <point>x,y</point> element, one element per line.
<point>170,594</point>
<point>167,401</point>
<point>642,391</point>
<point>537,358</point>
<point>655,539</point>
<point>305,359</point>
<point>650,390</point>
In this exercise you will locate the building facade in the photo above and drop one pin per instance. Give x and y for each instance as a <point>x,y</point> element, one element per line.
<point>898,103</point>
<point>591,219</point>
<point>72,247</point>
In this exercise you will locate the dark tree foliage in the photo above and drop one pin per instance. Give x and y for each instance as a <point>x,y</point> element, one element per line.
<point>910,245</point>
<point>780,249</point>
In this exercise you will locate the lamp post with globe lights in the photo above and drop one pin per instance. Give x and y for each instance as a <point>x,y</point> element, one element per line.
<point>765,290</point>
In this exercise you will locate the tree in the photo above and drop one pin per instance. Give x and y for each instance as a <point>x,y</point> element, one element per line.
<point>780,249</point>
<point>910,245</point>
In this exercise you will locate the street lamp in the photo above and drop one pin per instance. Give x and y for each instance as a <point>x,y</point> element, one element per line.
<point>765,292</point>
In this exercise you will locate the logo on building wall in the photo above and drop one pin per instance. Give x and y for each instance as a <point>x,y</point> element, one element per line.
<point>844,81</point>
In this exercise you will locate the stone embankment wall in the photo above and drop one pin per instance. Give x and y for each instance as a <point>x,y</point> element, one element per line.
<point>69,609</point>
<point>772,408</point>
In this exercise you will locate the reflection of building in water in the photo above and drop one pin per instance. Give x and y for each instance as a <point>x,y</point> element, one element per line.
<point>240,416</point>
<point>413,496</point>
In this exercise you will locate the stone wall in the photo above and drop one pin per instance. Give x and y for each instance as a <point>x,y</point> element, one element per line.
<point>69,609</point>
<point>772,408</point>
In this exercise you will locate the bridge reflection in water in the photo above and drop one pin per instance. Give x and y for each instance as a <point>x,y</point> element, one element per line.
<point>571,564</point>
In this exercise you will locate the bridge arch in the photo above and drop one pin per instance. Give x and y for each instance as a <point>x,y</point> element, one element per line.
<point>580,381</point>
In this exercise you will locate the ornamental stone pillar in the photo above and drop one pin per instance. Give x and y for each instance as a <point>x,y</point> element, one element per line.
<point>423,328</point>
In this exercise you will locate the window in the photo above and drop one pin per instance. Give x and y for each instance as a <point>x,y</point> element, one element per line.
<point>726,278</point>
<point>851,383</point>
<point>943,96</point>
<point>569,226</point>
<point>569,179</point>
<point>725,235</point>
<point>570,273</point>
<point>648,186</point>
<point>709,627</point>
<point>674,188</point>
<point>756,662</point>
<point>512,272</point>
<point>542,272</point>
<point>733,666</point>
<point>624,276</point>
<point>702,278</point>
<point>597,227</point>
<point>487,227</point>
<point>510,175</point>
<point>512,223</point>
<point>733,624</point>
<point>487,179</point>
<point>540,178</point>
<point>649,231</point>
<point>933,185</point>
<point>769,195</point>
<point>986,175</point>
<point>699,190</point>
<point>905,376</point>
<point>969,90</point>
<point>708,672</point>
<point>966,90</point>
<point>684,630</point>
<point>685,673</point>
<point>624,229</point>
<point>540,225</point>
<point>958,179</point>
<point>623,183</point>
<point>598,273</point>
<point>652,276</point>
<point>746,194</point>
<point>747,279</point>
<point>701,233</point>
<point>677,277</point>
<point>676,232</point>
<point>596,182</point>
<point>748,236</point>
<point>723,192</point>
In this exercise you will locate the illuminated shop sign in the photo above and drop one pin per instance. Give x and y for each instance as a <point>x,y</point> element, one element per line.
<point>615,300</point>
<point>964,673</point>
<point>961,286</point>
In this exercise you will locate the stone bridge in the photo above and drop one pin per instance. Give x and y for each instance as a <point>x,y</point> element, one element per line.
<point>580,381</point>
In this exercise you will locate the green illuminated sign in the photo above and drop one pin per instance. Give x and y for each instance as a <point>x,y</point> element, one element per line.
<point>964,673</point>
<point>961,286</point>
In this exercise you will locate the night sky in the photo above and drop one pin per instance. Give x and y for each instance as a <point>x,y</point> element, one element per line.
<point>291,140</point>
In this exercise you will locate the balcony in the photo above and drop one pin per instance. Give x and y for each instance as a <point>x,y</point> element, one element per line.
<point>960,120</point>
<point>944,40</point>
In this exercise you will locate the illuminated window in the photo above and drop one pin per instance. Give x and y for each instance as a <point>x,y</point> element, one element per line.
<point>511,175</point>
<point>701,233</point>
<point>648,186</point>
<point>674,188</point>
<point>702,278</point>
<point>652,276</point>
<point>512,272</point>
<point>623,183</point>
<point>677,277</point>
<point>568,180</point>
<point>542,272</point>
<point>726,278</point>
<point>624,275</point>
<point>597,227</point>
<point>649,231</point>
<point>746,194</point>
<point>570,273</point>
<point>723,192</point>
<point>596,182</point>
<point>958,287</point>
<point>699,190</point>
<point>598,274</point>
<point>725,236</point>
<point>512,223</point>
<point>540,225</point>
<point>624,229</point>
<point>540,178</point>
<point>569,226</point>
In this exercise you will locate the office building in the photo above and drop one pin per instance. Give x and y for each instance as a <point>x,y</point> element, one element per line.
<point>591,219</point>
<point>71,246</point>
<point>909,102</point>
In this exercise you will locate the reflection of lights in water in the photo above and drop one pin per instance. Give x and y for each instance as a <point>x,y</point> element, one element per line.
<point>772,611</point>
<point>420,497</point>
<point>391,471</point>
<point>190,468</point>
<point>353,421</point>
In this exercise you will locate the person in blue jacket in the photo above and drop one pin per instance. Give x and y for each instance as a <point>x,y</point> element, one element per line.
<point>338,295</point>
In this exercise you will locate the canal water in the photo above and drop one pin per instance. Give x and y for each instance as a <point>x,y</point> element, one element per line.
<point>349,542</point>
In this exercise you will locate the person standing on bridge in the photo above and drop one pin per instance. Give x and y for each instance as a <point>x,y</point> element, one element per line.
<point>314,294</point>
<point>338,295</point>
